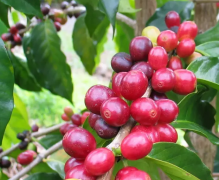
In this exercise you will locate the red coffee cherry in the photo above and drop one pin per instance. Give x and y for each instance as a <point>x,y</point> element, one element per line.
<point>137,175</point>
<point>76,119</point>
<point>95,96</point>
<point>71,163</point>
<point>144,67</point>
<point>79,172</point>
<point>92,119</point>
<point>7,37</point>
<point>150,131</point>
<point>66,127</point>
<point>136,146</point>
<point>13,30</point>
<point>68,111</point>
<point>172,19</point>
<point>58,26</point>
<point>158,58</point>
<point>157,96</point>
<point>78,143</point>
<point>167,133</point>
<point>145,111</point>
<point>134,85</point>
<point>104,130</point>
<point>115,111</point>
<point>99,161</point>
<point>121,62</point>
<point>167,40</point>
<point>26,157</point>
<point>185,48</point>
<point>187,30</point>
<point>116,83</point>
<point>124,171</point>
<point>168,110</point>
<point>34,128</point>
<point>139,48</point>
<point>65,117</point>
<point>185,81</point>
<point>175,63</point>
<point>17,38</point>
<point>163,80</point>
<point>84,116</point>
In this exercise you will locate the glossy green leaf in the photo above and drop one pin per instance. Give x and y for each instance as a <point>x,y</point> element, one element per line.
<point>93,3</point>
<point>3,176</point>
<point>181,124</point>
<point>3,28</point>
<point>50,139</point>
<point>60,155</point>
<point>4,13</point>
<point>206,71</point>
<point>209,48</point>
<point>15,16</point>
<point>6,89</point>
<point>42,167</point>
<point>210,35</point>
<point>162,2</point>
<point>216,161</point>
<point>57,166</point>
<point>178,162</point>
<point>217,113</point>
<point>25,6</point>
<point>125,7</point>
<point>53,73</point>
<point>158,19</point>
<point>174,97</point>
<point>42,176</point>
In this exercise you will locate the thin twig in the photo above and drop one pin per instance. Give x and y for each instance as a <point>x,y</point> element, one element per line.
<point>130,22</point>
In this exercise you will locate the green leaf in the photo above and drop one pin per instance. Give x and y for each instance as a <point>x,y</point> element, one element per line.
<point>93,3</point>
<point>173,96</point>
<point>50,140</point>
<point>125,7</point>
<point>49,61</point>
<point>206,71</point>
<point>178,162</point>
<point>209,48</point>
<point>3,28</point>
<point>158,19</point>
<point>42,176</point>
<point>6,89</point>
<point>110,8</point>
<point>60,155</point>
<point>42,167</point>
<point>4,13</point>
<point>162,2</point>
<point>57,166</point>
<point>3,176</point>
<point>15,16</point>
<point>23,76</point>
<point>216,161</point>
<point>210,35</point>
<point>217,113</point>
<point>25,6</point>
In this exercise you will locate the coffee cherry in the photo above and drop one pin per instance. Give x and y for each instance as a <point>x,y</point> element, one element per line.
<point>64,5</point>
<point>34,128</point>
<point>7,37</point>
<point>193,57</point>
<point>124,171</point>
<point>57,26</point>
<point>145,111</point>
<point>26,133</point>
<point>79,172</point>
<point>175,63</point>
<point>136,146</point>
<point>23,145</point>
<point>163,80</point>
<point>116,83</point>
<point>150,131</point>
<point>158,58</point>
<point>104,130</point>
<point>185,81</point>
<point>185,48</point>
<point>84,116</point>
<point>71,163</point>
<point>121,62</point>
<point>134,85</point>
<point>66,127</point>
<point>74,3</point>
<point>78,143</point>
<point>139,48</point>
<point>45,9</point>
<point>33,153</point>
<point>151,32</point>
<point>65,117</point>
<point>20,26</point>
<point>115,111</point>
<point>137,175</point>
<point>68,111</point>
<point>187,30</point>
<point>174,29</point>
<point>167,133</point>
<point>144,67</point>
<point>92,119</point>
<point>157,96</point>
<point>76,119</point>
<point>167,40</point>
<point>5,163</point>
<point>168,110</point>
<point>99,161</point>
<point>172,19</point>
<point>21,136</point>
<point>95,96</point>
<point>17,38</point>
<point>26,157</point>
<point>13,30</point>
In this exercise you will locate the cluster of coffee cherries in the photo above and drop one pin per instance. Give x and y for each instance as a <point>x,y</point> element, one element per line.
<point>4,162</point>
<point>26,157</point>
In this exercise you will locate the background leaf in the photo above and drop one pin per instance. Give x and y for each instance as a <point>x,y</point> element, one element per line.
<point>46,176</point>
<point>50,139</point>
<point>57,166</point>
<point>93,3</point>
<point>42,167</point>
<point>4,13</point>
<point>3,28</point>
<point>209,48</point>
<point>125,7</point>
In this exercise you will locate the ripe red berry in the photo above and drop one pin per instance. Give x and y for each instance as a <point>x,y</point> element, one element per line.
<point>78,143</point>
<point>71,163</point>
<point>92,119</point>
<point>139,48</point>
<point>187,30</point>
<point>157,96</point>
<point>158,58</point>
<point>58,26</point>
<point>13,30</point>
<point>175,63</point>
<point>17,38</point>
<point>167,40</point>
<point>121,62</point>
<point>65,117</point>
<point>163,80</point>
<point>167,133</point>
<point>115,111</point>
<point>79,172</point>
<point>149,130</point>
<point>99,161</point>
<point>185,81</point>
<point>168,110</point>
<point>124,171</point>
<point>116,83</point>
<point>172,18</point>
<point>68,111</point>
<point>145,111</point>
<point>45,9</point>
<point>66,127</point>
<point>26,157</point>
<point>95,96</point>
<point>136,146</point>
<point>144,67</point>
<point>7,37</point>
<point>185,48</point>
<point>84,116</point>
<point>34,128</point>
<point>76,119</point>
<point>135,175</point>
<point>134,85</point>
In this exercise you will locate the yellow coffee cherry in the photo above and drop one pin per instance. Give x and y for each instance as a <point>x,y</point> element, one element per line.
<point>151,32</point>
<point>193,57</point>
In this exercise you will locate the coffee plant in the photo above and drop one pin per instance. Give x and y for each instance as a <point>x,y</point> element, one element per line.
<point>162,85</point>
